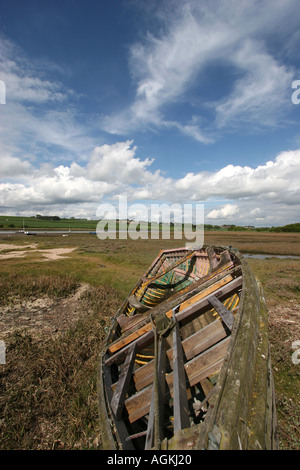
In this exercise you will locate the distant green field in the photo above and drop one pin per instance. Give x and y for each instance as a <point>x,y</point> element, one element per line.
<point>55,223</point>
<point>17,223</point>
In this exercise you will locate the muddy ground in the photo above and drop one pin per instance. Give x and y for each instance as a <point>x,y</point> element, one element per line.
<point>41,317</point>
<point>8,251</point>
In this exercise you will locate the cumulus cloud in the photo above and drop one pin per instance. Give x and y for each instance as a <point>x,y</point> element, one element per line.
<point>256,212</point>
<point>228,211</point>
<point>14,167</point>
<point>275,180</point>
<point>117,162</point>
<point>261,194</point>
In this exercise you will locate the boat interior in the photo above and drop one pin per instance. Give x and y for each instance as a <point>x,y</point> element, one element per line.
<point>167,345</point>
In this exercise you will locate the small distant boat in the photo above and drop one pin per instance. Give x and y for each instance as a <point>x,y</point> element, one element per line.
<point>186,363</point>
<point>23,230</point>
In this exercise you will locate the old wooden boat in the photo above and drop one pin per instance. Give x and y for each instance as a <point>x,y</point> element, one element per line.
<point>187,364</point>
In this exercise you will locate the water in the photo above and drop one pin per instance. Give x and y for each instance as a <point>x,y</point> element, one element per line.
<point>263,256</point>
<point>41,232</point>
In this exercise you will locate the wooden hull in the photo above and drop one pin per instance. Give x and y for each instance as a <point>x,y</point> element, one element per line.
<point>187,363</point>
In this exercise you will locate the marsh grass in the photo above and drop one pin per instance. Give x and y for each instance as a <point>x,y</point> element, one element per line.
<point>48,396</point>
<point>23,286</point>
<point>48,389</point>
<point>257,242</point>
<point>281,283</point>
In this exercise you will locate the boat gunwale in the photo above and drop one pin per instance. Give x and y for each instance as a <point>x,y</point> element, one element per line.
<point>215,434</point>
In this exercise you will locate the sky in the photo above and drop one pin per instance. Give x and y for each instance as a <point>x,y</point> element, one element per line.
<point>157,101</point>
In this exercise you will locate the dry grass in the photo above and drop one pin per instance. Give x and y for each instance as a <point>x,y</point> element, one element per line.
<point>257,242</point>
<point>281,282</point>
<point>48,397</point>
<point>48,390</point>
<point>16,284</point>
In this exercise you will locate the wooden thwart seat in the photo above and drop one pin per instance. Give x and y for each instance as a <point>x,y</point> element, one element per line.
<point>224,313</point>
<point>195,344</point>
<point>188,308</point>
<point>198,368</point>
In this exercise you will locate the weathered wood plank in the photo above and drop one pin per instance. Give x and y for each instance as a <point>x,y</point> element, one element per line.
<point>195,366</point>
<point>195,344</point>
<point>213,259</point>
<point>141,342</point>
<point>156,420</point>
<point>197,369</point>
<point>224,313</point>
<point>201,340</point>
<point>126,323</point>
<point>138,405</point>
<point>204,293</point>
<point>130,338</point>
<point>118,399</point>
<point>186,309</point>
<point>119,424</point>
<point>180,404</point>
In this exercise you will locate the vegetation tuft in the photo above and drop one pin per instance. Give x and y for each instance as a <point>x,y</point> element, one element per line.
<point>14,284</point>
<point>48,391</point>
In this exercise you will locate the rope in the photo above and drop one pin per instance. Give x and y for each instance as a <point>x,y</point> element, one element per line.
<point>135,436</point>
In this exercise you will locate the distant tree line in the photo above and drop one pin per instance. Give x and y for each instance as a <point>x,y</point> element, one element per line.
<point>47,217</point>
<point>286,228</point>
<point>238,228</point>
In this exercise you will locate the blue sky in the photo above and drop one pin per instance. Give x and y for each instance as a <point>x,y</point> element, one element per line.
<point>169,101</point>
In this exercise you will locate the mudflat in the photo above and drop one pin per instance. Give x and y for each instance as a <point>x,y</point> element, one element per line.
<point>19,251</point>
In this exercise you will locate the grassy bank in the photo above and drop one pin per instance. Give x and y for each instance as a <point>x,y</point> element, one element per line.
<point>48,397</point>
<point>281,283</point>
<point>48,387</point>
<point>52,223</point>
<point>260,242</point>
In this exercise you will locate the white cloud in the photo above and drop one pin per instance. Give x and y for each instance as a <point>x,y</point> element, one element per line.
<point>195,36</point>
<point>14,167</point>
<point>38,115</point>
<point>257,212</point>
<point>266,194</point>
<point>228,211</point>
<point>24,82</point>
<point>260,93</point>
<point>117,162</point>
<point>274,180</point>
